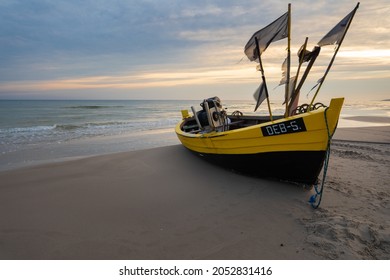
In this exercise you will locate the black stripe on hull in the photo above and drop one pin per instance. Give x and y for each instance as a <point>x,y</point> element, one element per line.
<point>296,166</point>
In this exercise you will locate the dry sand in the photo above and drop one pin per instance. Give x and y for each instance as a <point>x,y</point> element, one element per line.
<point>165,203</point>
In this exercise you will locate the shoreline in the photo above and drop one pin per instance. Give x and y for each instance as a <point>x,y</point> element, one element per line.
<point>371,134</point>
<point>366,128</point>
<point>347,121</point>
<point>370,119</point>
<point>164,203</point>
<point>87,147</point>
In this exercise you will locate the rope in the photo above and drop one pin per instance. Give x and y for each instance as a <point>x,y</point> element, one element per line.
<point>319,189</point>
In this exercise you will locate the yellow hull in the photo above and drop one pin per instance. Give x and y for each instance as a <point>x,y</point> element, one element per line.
<point>292,149</point>
<point>251,140</point>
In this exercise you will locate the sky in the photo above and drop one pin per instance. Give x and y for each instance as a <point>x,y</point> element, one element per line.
<point>156,49</point>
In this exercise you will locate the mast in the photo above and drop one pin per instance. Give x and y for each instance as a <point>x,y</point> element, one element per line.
<point>314,54</point>
<point>288,58</point>
<point>263,78</point>
<point>294,94</point>
<point>334,55</point>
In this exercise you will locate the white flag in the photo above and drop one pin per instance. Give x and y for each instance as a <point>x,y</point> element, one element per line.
<point>275,31</point>
<point>259,95</point>
<point>334,36</point>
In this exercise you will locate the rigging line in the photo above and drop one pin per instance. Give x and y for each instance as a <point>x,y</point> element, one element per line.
<point>240,60</point>
<point>319,192</point>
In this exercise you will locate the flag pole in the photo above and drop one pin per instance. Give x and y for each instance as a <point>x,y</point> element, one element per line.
<point>288,58</point>
<point>334,56</point>
<point>315,53</point>
<point>263,77</point>
<point>295,94</point>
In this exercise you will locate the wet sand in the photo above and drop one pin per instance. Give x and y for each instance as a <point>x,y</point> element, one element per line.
<point>165,203</point>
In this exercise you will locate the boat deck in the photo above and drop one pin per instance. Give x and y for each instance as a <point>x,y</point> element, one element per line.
<point>235,122</point>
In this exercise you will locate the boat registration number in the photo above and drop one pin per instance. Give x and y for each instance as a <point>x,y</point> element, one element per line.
<point>292,126</point>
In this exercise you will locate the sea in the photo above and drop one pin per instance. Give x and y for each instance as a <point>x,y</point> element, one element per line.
<point>42,131</point>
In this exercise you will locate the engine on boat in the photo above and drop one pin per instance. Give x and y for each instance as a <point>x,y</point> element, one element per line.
<point>212,114</point>
<point>213,117</point>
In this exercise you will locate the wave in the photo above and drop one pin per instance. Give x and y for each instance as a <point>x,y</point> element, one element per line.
<point>91,125</point>
<point>41,128</point>
<point>87,128</point>
<point>93,107</point>
<point>67,126</point>
<point>26,129</point>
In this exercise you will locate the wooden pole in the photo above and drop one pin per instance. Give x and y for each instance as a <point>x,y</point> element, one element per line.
<point>315,54</point>
<point>288,58</point>
<point>294,95</point>
<point>263,78</point>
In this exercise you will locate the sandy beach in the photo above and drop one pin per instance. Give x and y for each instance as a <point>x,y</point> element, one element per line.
<point>165,203</point>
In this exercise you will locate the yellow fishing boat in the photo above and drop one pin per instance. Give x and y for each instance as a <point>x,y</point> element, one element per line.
<point>292,147</point>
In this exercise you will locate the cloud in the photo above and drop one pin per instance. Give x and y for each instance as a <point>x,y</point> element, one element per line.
<point>148,79</point>
<point>73,45</point>
<point>208,10</point>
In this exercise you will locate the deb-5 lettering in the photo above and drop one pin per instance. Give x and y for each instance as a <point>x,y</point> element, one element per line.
<point>291,126</point>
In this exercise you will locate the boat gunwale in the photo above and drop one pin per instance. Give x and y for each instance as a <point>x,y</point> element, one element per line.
<point>214,134</point>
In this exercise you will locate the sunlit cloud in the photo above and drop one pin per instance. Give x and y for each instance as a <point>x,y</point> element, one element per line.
<point>381,54</point>
<point>140,80</point>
